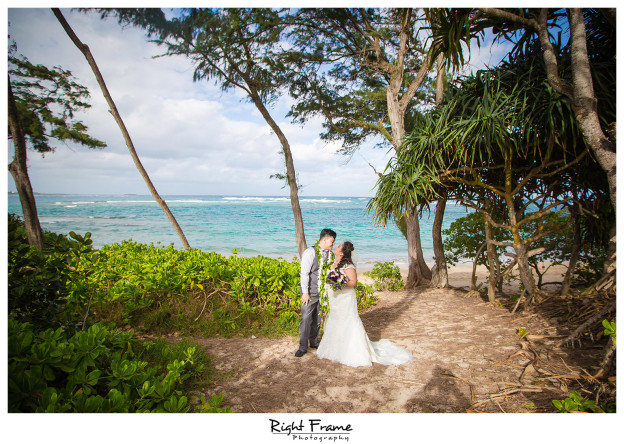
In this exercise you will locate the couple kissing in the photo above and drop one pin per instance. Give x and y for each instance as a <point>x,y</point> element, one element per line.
<point>328,281</point>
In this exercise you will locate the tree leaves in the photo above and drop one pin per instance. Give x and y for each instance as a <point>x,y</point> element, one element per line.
<point>46,101</point>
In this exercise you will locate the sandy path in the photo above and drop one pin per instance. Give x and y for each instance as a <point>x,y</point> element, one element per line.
<point>456,341</point>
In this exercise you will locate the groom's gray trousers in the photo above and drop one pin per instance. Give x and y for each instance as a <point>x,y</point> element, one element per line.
<point>310,313</point>
<point>310,324</point>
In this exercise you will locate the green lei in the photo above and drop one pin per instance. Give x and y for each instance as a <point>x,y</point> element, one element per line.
<point>324,268</point>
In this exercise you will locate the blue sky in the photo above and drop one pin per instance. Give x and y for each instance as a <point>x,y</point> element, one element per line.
<point>192,138</point>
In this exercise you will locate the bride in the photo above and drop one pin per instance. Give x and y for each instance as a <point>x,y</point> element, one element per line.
<point>344,338</point>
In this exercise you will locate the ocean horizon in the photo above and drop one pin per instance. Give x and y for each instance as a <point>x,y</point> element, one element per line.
<point>253,225</point>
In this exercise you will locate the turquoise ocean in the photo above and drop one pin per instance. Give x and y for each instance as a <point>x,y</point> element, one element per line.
<point>253,225</point>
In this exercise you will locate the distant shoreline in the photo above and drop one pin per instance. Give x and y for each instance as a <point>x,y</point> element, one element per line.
<point>203,195</point>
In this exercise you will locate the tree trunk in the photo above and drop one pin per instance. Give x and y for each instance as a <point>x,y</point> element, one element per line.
<point>521,250</point>
<point>440,277</point>
<point>290,168</point>
<point>440,79</point>
<point>113,110</point>
<point>491,253</point>
<point>524,270</point>
<point>473,280</point>
<point>576,248</point>
<point>586,110</point>
<point>19,170</point>
<point>418,272</point>
<point>585,103</point>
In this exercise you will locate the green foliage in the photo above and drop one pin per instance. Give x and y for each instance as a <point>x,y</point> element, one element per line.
<point>574,403</point>
<point>163,289</point>
<point>154,288</point>
<point>365,295</point>
<point>46,101</point>
<point>386,276</point>
<point>465,236</point>
<point>166,289</point>
<point>95,371</point>
<point>350,91</point>
<point>40,281</point>
<point>609,329</point>
<point>212,405</point>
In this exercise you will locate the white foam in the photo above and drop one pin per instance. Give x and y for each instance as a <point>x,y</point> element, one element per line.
<point>130,201</point>
<point>258,199</point>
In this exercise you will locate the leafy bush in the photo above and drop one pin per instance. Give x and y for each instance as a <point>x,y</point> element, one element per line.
<point>365,295</point>
<point>162,288</point>
<point>155,288</point>
<point>574,403</point>
<point>97,370</point>
<point>386,275</point>
<point>212,405</point>
<point>40,281</point>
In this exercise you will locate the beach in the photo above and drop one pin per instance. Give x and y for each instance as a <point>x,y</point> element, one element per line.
<point>460,277</point>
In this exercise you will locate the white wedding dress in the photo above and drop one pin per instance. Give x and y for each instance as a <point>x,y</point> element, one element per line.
<point>345,340</point>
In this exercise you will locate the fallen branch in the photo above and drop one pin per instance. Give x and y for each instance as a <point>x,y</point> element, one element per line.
<point>505,393</point>
<point>518,303</point>
<point>591,321</point>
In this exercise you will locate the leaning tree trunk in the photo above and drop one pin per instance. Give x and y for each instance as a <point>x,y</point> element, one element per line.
<point>440,276</point>
<point>440,272</point>
<point>113,110</point>
<point>290,169</point>
<point>19,171</point>
<point>491,253</point>
<point>418,272</point>
<point>586,110</point>
<point>585,102</point>
<point>576,248</point>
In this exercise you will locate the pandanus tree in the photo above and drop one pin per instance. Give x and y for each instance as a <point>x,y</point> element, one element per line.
<point>578,48</point>
<point>500,138</point>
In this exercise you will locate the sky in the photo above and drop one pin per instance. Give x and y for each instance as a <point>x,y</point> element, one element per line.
<point>191,137</point>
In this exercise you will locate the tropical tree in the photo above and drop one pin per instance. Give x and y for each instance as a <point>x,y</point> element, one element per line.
<point>235,48</point>
<point>581,70</point>
<point>366,73</point>
<point>41,107</point>
<point>506,138</point>
<point>84,49</point>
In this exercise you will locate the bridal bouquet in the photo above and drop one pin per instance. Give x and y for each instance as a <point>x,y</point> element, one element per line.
<point>337,279</point>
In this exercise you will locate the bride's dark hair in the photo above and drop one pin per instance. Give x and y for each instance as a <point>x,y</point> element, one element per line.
<point>347,249</point>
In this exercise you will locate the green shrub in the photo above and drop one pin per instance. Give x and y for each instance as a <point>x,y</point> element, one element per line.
<point>365,295</point>
<point>386,276</point>
<point>97,370</point>
<point>212,405</point>
<point>156,289</point>
<point>40,281</point>
<point>574,403</point>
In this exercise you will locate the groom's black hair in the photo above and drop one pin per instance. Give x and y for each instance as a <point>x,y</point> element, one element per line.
<point>327,232</point>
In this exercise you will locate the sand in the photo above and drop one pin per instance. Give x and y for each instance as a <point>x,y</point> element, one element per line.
<point>465,349</point>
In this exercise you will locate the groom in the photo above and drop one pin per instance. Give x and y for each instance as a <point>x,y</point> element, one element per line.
<point>310,269</point>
